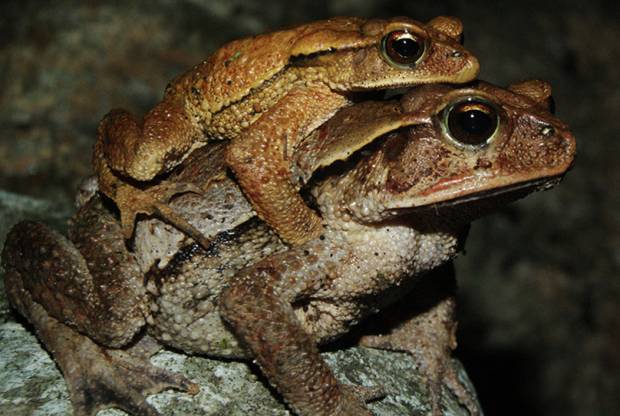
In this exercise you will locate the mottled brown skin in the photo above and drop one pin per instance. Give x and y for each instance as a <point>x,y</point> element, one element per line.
<point>284,85</point>
<point>417,179</point>
<point>251,295</point>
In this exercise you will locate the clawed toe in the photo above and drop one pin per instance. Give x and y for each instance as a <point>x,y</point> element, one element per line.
<point>443,374</point>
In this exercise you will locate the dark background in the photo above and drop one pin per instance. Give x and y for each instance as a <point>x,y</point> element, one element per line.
<point>539,284</point>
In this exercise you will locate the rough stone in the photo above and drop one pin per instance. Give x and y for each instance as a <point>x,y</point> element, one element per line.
<point>32,385</point>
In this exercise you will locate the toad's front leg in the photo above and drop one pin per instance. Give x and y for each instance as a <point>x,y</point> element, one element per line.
<point>94,286</point>
<point>260,159</point>
<point>258,306</point>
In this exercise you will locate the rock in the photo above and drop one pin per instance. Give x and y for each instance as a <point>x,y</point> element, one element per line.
<point>32,385</point>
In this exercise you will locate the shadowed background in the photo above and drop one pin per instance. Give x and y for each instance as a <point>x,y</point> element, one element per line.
<point>539,284</point>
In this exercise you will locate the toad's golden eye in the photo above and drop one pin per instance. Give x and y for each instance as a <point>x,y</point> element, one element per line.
<point>471,122</point>
<point>402,48</point>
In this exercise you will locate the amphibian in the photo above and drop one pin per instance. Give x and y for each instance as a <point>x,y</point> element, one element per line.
<point>266,93</point>
<point>392,211</point>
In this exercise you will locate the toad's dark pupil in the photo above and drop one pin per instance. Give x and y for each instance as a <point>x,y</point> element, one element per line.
<point>475,122</point>
<point>406,47</point>
<point>472,125</point>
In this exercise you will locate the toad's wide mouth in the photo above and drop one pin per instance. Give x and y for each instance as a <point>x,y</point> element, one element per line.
<point>518,190</point>
<point>505,194</point>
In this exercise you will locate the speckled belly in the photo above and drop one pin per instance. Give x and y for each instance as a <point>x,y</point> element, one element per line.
<point>184,307</point>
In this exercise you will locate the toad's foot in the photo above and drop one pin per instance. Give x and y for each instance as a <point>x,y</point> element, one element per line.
<point>100,378</point>
<point>132,201</point>
<point>430,338</point>
<point>438,371</point>
<point>97,378</point>
<point>124,147</point>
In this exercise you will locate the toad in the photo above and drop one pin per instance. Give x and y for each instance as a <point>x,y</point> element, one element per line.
<point>393,210</point>
<point>266,93</point>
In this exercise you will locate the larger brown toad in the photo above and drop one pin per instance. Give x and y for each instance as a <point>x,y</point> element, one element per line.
<point>392,211</point>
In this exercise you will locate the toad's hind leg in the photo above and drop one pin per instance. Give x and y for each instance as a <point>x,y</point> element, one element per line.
<point>48,281</point>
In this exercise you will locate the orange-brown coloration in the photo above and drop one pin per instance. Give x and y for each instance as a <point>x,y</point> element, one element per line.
<point>235,93</point>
